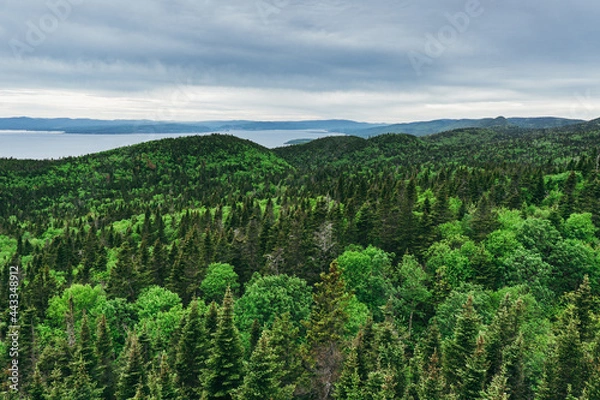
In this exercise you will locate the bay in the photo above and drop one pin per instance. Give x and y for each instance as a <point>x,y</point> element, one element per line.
<point>54,145</point>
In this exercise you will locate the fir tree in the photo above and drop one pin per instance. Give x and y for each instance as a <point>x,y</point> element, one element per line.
<point>191,353</point>
<point>458,349</point>
<point>325,331</point>
<point>105,357</point>
<point>132,375</point>
<point>263,374</point>
<point>224,366</point>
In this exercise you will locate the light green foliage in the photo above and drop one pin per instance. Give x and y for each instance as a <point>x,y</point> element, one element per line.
<point>357,315</point>
<point>364,273</point>
<point>455,254</point>
<point>580,226</point>
<point>272,295</point>
<point>159,311</point>
<point>218,277</point>
<point>93,300</point>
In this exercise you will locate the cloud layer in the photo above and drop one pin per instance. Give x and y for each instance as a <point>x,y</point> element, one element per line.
<point>289,59</point>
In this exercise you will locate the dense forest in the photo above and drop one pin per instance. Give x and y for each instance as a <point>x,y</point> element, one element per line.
<point>459,266</point>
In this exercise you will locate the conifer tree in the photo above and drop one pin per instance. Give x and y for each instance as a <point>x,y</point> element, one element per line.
<point>497,390</point>
<point>224,367</point>
<point>85,347</point>
<point>263,375</point>
<point>162,383</point>
<point>81,386</point>
<point>132,375</point>
<point>431,385</point>
<point>325,331</point>
<point>349,386</point>
<point>104,353</point>
<point>191,353</point>
<point>458,349</point>
<point>473,376</point>
<point>285,343</point>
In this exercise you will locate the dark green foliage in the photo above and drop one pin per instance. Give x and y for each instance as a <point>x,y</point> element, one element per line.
<point>192,352</point>
<point>132,376</point>
<point>459,349</point>
<point>224,370</point>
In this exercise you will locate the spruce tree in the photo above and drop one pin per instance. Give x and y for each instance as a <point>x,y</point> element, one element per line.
<point>263,375</point>
<point>349,386</point>
<point>105,357</point>
<point>458,349</point>
<point>325,331</point>
<point>224,367</point>
<point>133,372</point>
<point>473,376</point>
<point>191,354</point>
<point>285,343</point>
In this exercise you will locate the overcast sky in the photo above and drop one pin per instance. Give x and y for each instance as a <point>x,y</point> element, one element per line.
<point>378,61</point>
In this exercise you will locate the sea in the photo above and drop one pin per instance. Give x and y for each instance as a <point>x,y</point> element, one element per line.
<point>55,145</point>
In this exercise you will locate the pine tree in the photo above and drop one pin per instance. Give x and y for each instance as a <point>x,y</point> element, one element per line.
<point>263,375</point>
<point>349,386</point>
<point>458,350</point>
<point>105,357</point>
<point>212,319</point>
<point>224,366</point>
<point>285,343</point>
<point>191,353</point>
<point>132,375</point>
<point>473,376</point>
<point>325,331</point>
<point>431,386</point>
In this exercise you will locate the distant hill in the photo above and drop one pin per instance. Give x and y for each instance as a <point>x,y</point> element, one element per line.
<point>442,125</point>
<point>88,126</point>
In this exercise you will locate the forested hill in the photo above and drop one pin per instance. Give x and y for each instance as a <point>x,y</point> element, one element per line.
<point>463,265</point>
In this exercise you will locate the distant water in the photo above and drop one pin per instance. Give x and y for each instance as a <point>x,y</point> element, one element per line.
<point>46,145</point>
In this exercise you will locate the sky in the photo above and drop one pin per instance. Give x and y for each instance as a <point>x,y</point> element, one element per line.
<point>377,61</point>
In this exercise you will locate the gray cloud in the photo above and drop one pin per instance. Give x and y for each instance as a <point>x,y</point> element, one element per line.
<point>505,52</point>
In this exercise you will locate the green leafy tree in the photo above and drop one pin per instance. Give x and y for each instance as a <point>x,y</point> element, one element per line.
<point>218,277</point>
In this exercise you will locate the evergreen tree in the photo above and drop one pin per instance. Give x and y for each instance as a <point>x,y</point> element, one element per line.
<point>104,353</point>
<point>325,331</point>
<point>85,347</point>
<point>162,383</point>
<point>349,386</point>
<point>497,390</point>
<point>458,349</point>
<point>132,375</point>
<point>473,376</point>
<point>285,343</point>
<point>224,366</point>
<point>263,373</point>
<point>431,385</point>
<point>191,353</point>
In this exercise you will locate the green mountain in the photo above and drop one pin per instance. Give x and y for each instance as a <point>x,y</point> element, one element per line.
<point>443,125</point>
